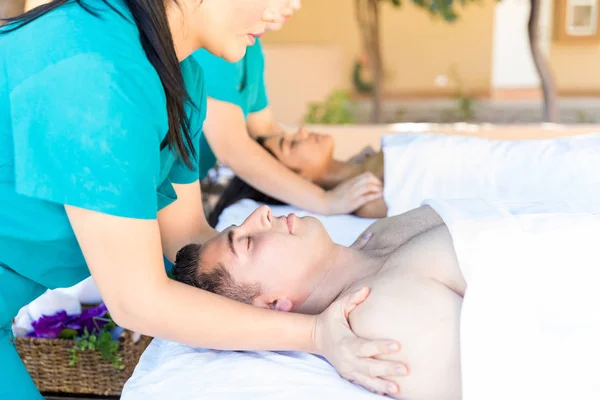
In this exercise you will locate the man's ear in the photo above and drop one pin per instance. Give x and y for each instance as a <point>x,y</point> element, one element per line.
<point>283,304</point>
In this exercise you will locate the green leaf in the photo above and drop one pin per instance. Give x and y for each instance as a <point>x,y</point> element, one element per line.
<point>107,347</point>
<point>68,333</point>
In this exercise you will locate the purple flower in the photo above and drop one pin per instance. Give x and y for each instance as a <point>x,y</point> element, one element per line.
<point>50,327</point>
<point>93,319</point>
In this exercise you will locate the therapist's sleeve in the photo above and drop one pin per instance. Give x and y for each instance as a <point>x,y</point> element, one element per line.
<point>262,100</point>
<point>83,137</point>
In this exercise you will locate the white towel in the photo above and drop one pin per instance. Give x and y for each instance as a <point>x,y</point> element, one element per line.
<point>47,304</point>
<point>530,321</point>
<point>52,301</point>
<point>429,166</point>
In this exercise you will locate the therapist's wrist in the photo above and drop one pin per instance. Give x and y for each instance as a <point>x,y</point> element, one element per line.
<point>325,205</point>
<point>311,335</point>
<point>293,331</point>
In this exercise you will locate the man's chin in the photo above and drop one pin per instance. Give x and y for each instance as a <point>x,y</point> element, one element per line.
<point>313,226</point>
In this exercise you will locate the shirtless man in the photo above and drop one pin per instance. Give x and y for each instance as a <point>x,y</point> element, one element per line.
<point>291,264</point>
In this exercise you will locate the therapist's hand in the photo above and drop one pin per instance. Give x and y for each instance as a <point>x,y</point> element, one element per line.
<point>353,357</point>
<point>354,193</point>
<point>362,240</point>
<point>361,157</point>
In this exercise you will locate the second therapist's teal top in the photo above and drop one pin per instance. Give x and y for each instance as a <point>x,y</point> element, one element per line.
<point>82,119</point>
<point>241,83</point>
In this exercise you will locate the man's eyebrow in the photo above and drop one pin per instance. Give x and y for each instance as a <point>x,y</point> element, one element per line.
<point>230,239</point>
<point>281,144</point>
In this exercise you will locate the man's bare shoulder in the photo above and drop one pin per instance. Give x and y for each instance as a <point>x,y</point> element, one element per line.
<point>393,232</point>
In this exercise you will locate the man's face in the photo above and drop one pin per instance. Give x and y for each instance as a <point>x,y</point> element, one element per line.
<point>308,153</point>
<point>287,256</point>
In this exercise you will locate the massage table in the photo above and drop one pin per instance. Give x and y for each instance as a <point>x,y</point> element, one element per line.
<point>479,227</point>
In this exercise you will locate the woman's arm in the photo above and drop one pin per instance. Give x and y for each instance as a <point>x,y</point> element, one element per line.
<point>183,221</point>
<point>263,123</point>
<point>226,132</point>
<point>125,258</point>
<point>375,209</point>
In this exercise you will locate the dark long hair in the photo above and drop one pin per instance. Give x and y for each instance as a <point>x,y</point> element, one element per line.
<point>237,189</point>
<point>155,35</point>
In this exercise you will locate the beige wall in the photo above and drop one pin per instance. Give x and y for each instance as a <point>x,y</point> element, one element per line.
<point>576,68</point>
<point>319,68</point>
<point>416,47</point>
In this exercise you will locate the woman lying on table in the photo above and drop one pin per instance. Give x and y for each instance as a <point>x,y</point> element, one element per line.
<point>311,156</point>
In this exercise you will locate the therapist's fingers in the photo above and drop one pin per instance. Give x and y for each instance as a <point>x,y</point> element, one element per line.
<point>362,240</point>
<point>367,185</point>
<point>376,385</point>
<point>367,178</point>
<point>373,348</point>
<point>378,368</point>
<point>365,199</point>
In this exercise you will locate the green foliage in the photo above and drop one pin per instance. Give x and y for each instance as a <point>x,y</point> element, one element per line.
<point>581,117</point>
<point>336,109</point>
<point>399,115</point>
<point>359,85</point>
<point>442,8</point>
<point>465,108</point>
<point>97,341</point>
<point>465,104</point>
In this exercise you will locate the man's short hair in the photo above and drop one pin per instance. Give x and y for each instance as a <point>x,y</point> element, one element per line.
<point>188,269</point>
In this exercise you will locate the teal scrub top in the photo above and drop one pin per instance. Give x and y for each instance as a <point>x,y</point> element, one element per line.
<point>241,83</point>
<point>82,118</point>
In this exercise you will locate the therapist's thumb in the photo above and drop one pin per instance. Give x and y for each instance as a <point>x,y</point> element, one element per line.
<point>362,240</point>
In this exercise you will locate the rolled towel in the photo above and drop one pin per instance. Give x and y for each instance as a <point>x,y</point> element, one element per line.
<point>86,292</point>
<point>52,302</point>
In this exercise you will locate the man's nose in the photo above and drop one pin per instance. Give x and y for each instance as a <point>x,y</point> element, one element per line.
<point>302,133</point>
<point>265,216</point>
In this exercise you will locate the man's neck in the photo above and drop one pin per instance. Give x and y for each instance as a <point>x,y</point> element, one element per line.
<point>346,267</point>
<point>338,172</point>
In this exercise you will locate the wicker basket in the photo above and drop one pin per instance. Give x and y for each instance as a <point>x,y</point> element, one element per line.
<point>47,361</point>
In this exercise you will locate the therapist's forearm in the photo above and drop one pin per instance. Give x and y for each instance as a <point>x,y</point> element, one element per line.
<point>227,134</point>
<point>263,123</point>
<point>268,175</point>
<point>270,128</point>
<point>183,222</point>
<point>192,316</point>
